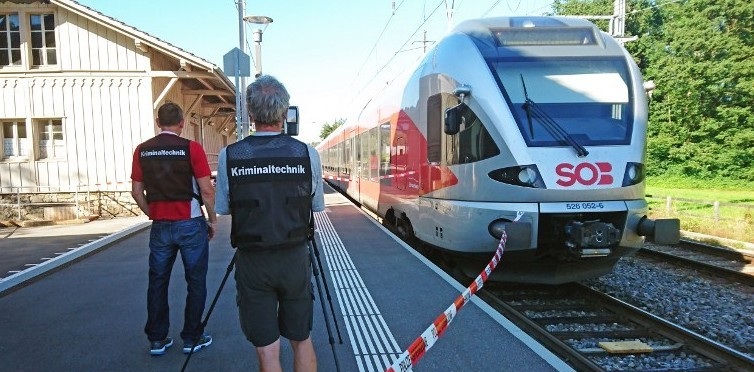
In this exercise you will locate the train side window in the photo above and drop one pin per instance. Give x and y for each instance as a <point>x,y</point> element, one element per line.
<point>347,157</point>
<point>436,106</point>
<point>362,155</point>
<point>472,143</point>
<point>435,114</point>
<point>384,149</point>
<point>373,151</point>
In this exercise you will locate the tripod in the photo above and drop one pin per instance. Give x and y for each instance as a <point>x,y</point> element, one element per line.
<point>209,312</point>
<point>316,270</point>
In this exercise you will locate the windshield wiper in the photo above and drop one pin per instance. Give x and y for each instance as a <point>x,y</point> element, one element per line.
<point>552,127</point>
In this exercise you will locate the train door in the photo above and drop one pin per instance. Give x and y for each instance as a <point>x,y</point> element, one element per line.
<point>431,172</point>
<point>356,166</point>
<point>445,150</point>
<point>345,170</point>
<point>400,163</point>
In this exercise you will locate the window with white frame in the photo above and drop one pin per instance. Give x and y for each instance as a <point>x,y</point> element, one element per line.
<point>15,140</point>
<point>10,40</point>
<point>27,39</point>
<point>43,50</point>
<point>51,144</point>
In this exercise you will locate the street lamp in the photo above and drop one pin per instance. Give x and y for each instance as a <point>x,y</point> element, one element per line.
<point>262,22</point>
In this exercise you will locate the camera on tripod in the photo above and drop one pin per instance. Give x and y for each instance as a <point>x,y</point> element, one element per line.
<point>291,121</point>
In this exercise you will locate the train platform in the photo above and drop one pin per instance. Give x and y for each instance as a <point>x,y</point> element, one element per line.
<point>88,314</point>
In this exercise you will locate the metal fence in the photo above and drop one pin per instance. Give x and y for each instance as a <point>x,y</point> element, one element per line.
<point>57,203</point>
<point>53,202</point>
<point>712,210</point>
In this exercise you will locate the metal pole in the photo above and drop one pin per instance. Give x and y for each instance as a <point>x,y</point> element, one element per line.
<point>239,125</point>
<point>242,88</point>
<point>76,198</point>
<point>18,200</point>
<point>242,121</point>
<point>258,51</point>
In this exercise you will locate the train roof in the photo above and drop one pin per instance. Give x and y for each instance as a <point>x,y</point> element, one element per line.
<point>537,36</point>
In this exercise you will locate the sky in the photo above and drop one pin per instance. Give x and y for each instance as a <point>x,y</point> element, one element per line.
<point>330,54</point>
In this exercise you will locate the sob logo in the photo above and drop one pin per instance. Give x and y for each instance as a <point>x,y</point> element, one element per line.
<point>585,173</point>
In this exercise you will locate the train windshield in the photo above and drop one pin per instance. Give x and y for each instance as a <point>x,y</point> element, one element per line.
<point>569,102</point>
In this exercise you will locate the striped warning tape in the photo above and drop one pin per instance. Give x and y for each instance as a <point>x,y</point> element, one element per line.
<point>419,347</point>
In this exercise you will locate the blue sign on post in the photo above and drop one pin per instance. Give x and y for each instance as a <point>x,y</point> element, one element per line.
<point>237,63</point>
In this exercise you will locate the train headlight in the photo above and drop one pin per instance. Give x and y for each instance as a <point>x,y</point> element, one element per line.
<point>527,176</point>
<point>634,174</point>
<point>524,175</point>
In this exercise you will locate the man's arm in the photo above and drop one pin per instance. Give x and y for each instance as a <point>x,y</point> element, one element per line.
<point>222,202</point>
<point>202,174</point>
<point>208,197</point>
<point>137,192</point>
<point>318,200</point>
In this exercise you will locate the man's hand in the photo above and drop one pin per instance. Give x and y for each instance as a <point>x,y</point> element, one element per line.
<point>212,229</point>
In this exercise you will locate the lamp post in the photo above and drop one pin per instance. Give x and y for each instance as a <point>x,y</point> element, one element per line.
<point>261,22</point>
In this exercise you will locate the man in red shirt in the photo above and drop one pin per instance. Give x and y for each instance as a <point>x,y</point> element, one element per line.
<point>170,182</point>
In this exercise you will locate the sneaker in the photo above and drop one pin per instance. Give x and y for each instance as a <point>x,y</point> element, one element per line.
<point>160,347</point>
<point>203,342</point>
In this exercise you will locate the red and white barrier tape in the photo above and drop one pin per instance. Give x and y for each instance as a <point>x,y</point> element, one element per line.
<point>419,347</point>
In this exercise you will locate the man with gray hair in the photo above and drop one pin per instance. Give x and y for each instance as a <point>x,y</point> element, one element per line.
<point>270,184</point>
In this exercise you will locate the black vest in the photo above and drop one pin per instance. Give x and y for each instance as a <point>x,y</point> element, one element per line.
<point>270,182</point>
<point>166,166</point>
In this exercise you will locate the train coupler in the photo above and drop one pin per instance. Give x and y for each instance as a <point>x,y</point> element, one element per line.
<point>591,238</point>
<point>662,231</point>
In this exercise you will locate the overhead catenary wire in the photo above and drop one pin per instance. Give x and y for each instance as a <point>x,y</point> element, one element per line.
<point>382,33</point>
<point>653,6</point>
<point>450,7</point>
<point>492,7</point>
<point>400,49</point>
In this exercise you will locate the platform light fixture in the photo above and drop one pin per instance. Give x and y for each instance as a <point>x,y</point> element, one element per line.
<point>261,23</point>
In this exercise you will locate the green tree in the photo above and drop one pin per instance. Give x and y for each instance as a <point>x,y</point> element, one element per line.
<point>328,127</point>
<point>700,54</point>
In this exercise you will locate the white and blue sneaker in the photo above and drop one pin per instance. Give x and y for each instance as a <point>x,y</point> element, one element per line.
<point>160,347</point>
<point>203,342</point>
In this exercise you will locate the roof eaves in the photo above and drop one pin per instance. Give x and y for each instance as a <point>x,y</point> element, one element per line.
<point>137,34</point>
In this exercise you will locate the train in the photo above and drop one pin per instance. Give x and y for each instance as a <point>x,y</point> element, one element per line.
<point>535,126</point>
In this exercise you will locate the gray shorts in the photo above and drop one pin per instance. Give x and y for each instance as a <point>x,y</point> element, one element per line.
<point>274,294</point>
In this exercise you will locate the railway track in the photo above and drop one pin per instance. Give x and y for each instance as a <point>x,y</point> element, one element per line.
<point>596,332</point>
<point>589,329</point>
<point>737,266</point>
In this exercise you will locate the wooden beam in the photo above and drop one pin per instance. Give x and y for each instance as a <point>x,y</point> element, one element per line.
<point>219,105</point>
<point>164,92</point>
<point>140,45</point>
<point>185,66</point>
<point>224,122</point>
<point>183,74</point>
<point>208,92</point>
<point>193,104</point>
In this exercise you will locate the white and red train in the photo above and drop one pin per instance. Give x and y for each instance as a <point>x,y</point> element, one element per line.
<point>536,125</point>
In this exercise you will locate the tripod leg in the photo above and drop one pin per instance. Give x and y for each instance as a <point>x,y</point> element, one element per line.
<point>327,290</point>
<point>324,310</point>
<point>211,307</point>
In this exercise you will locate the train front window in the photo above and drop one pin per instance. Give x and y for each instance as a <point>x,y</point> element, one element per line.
<point>589,99</point>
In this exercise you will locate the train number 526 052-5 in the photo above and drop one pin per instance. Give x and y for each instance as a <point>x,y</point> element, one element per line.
<point>584,206</point>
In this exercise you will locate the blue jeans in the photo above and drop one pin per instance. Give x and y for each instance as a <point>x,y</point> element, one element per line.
<point>191,238</point>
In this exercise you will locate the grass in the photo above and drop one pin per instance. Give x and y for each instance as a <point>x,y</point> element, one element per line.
<point>692,201</point>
